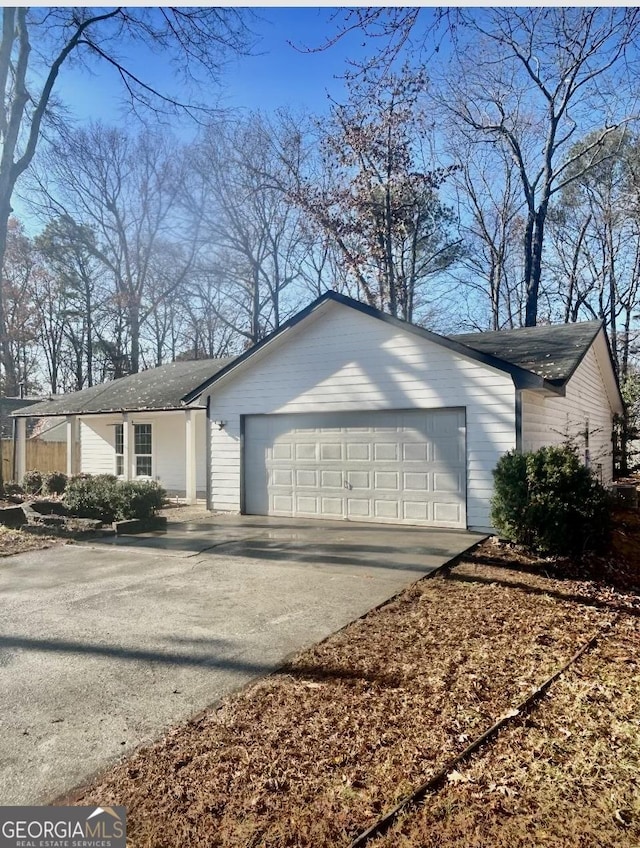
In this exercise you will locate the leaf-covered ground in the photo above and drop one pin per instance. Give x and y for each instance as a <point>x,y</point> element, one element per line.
<point>18,542</point>
<point>314,754</point>
<point>568,775</point>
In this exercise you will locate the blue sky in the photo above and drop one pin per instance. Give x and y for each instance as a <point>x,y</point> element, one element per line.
<point>277,75</point>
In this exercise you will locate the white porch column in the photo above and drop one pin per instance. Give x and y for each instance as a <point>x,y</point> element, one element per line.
<point>21,449</point>
<point>71,445</point>
<point>190,454</point>
<point>127,446</point>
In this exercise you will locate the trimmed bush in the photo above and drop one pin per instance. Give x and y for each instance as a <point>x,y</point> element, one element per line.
<point>55,482</point>
<point>548,501</point>
<point>138,499</point>
<point>107,498</point>
<point>92,497</point>
<point>11,488</point>
<point>32,482</point>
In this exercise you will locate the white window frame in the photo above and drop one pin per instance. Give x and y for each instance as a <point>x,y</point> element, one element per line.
<point>137,455</point>
<point>119,457</point>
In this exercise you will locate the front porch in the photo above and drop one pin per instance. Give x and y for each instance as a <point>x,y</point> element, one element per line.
<point>166,446</point>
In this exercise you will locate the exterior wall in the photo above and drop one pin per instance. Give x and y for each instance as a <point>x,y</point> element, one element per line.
<point>550,420</point>
<point>97,448</point>
<point>344,360</point>
<point>97,452</point>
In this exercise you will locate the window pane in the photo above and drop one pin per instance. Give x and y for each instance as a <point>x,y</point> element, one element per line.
<point>143,466</point>
<point>142,435</point>
<point>119,466</point>
<point>119,438</point>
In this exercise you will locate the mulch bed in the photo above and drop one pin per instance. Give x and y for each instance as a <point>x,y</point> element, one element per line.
<point>314,754</point>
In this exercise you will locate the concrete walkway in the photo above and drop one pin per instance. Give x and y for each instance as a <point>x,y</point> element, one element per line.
<point>104,646</point>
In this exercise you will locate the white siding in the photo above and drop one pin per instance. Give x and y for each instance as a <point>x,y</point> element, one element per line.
<point>552,420</point>
<point>344,360</point>
<point>97,453</point>
<point>97,450</point>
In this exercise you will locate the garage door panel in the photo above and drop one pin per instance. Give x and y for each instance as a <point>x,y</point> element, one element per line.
<point>281,477</point>
<point>447,482</point>
<point>389,480</point>
<point>332,507</point>
<point>306,504</point>
<point>392,466</point>
<point>282,504</point>
<point>358,452</point>
<point>331,479</point>
<point>306,451</point>
<point>446,512</point>
<point>415,510</point>
<point>331,452</point>
<point>417,481</point>
<point>358,508</point>
<point>358,480</point>
<point>283,450</point>
<point>386,451</point>
<point>307,478</point>
<point>415,452</point>
<point>387,510</point>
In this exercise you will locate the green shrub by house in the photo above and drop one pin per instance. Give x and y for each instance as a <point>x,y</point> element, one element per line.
<point>109,499</point>
<point>550,502</point>
<point>138,499</point>
<point>32,482</point>
<point>11,488</point>
<point>55,482</point>
<point>92,497</point>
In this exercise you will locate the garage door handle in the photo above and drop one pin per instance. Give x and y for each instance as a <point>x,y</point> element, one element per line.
<point>347,485</point>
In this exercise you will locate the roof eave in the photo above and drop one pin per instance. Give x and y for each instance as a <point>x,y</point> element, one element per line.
<point>119,411</point>
<point>521,377</point>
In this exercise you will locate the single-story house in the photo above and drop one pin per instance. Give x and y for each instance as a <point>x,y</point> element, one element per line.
<point>348,413</point>
<point>135,427</point>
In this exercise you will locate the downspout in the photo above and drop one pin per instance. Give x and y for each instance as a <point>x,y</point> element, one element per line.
<point>15,440</point>
<point>207,453</point>
<point>518,411</point>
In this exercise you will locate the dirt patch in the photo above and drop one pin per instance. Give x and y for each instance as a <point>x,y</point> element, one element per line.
<point>567,775</point>
<point>175,512</point>
<point>312,755</point>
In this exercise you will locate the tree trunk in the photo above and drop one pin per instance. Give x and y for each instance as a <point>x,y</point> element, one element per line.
<point>535,265</point>
<point>531,307</point>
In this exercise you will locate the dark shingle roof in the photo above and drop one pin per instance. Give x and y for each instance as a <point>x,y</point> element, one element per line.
<point>157,388</point>
<point>552,352</point>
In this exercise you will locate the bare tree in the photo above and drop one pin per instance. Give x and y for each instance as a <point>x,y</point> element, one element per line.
<point>252,238</point>
<point>377,200</point>
<point>19,328</point>
<point>532,79</point>
<point>71,305</point>
<point>125,190</point>
<point>37,43</point>
<point>529,80</point>
<point>595,228</point>
<point>490,211</point>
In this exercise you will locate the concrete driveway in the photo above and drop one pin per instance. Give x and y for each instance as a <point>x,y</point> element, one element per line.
<point>104,646</point>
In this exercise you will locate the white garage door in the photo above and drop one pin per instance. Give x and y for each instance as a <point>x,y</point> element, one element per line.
<point>403,467</point>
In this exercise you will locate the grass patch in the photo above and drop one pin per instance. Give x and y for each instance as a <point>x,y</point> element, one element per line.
<point>312,755</point>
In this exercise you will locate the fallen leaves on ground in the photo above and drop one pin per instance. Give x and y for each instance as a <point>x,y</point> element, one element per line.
<point>314,754</point>
<point>17,542</point>
<point>568,775</point>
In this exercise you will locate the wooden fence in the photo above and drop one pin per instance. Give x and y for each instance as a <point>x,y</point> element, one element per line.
<point>43,456</point>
